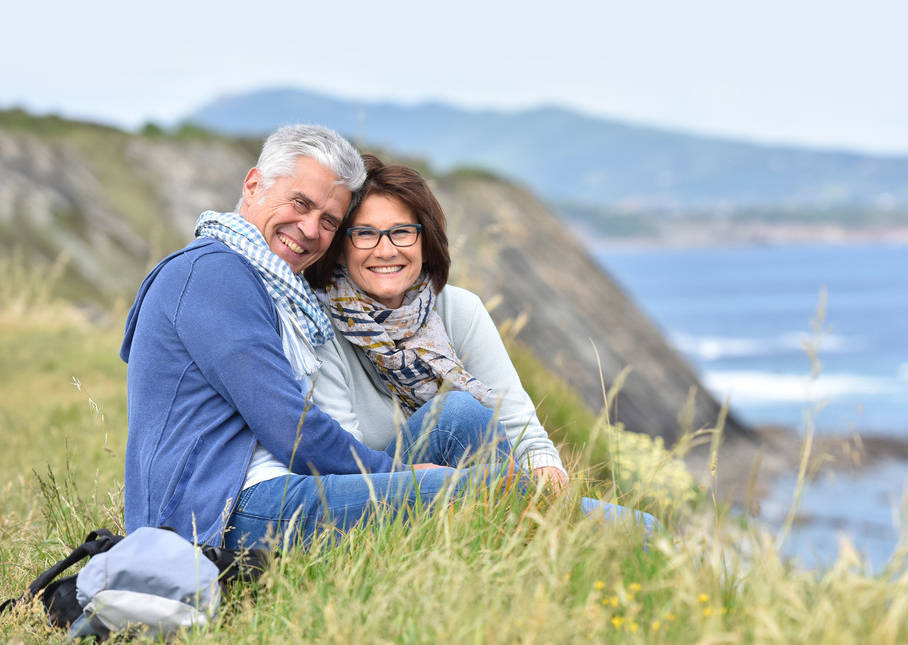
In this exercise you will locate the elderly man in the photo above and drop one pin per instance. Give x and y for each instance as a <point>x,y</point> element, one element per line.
<point>220,345</point>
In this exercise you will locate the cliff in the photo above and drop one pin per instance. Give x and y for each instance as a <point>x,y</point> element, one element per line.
<point>114,203</point>
<point>508,244</point>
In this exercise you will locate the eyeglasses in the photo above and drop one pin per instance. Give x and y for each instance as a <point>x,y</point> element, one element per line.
<point>367,237</point>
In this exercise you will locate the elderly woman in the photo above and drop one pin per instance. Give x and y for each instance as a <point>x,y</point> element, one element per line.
<point>404,334</point>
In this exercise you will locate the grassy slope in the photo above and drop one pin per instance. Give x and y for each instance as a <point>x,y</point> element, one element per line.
<point>123,188</point>
<point>494,568</point>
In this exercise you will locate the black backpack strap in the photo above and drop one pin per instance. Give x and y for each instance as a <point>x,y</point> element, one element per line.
<point>96,542</point>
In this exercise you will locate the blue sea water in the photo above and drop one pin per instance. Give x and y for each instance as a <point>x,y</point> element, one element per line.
<point>744,316</point>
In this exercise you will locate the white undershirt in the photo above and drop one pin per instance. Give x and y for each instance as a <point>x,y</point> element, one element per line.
<point>263,465</point>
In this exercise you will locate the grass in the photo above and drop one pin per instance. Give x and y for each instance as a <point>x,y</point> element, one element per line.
<point>491,568</point>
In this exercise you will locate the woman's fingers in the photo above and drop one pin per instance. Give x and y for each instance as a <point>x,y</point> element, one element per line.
<point>425,466</point>
<point>551,475</point>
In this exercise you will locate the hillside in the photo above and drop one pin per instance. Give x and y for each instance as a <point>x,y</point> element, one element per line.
<point>114,203</point>
<point>583,161</point>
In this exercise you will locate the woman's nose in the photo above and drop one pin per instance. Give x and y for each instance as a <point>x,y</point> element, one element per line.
<point>385,248</point>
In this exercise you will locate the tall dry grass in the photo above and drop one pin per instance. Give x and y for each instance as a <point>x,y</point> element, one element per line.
<point>489,568</point>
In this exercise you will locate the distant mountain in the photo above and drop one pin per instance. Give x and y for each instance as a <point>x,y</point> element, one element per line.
<point>576,159</point>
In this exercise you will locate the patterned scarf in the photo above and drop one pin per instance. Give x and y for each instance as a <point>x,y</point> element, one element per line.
<point>304,324</point>
<point>408,345</point>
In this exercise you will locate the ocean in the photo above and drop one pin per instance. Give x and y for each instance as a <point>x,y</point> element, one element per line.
<point>750,318</point>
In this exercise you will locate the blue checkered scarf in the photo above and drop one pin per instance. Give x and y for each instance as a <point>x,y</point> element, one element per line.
<point>296,303</point>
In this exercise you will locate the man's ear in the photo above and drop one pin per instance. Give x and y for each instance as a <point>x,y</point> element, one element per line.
<point>252,186</point>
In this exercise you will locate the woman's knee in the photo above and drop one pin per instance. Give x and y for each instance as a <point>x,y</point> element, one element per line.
<point>460,409</point>
<point>471,425</point>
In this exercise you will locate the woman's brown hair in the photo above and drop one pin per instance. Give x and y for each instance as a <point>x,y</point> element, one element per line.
<point>407,186</point>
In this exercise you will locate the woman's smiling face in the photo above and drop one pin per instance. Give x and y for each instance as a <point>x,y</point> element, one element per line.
<point>386,271</point>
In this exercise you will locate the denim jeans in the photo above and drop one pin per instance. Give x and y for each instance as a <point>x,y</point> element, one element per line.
<point>612,513</point>
<point>443,431</point>
<point>448,430</point>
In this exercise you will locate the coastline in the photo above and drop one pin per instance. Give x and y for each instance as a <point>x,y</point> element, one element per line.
<point>748,468</point>
<point>685,234</point>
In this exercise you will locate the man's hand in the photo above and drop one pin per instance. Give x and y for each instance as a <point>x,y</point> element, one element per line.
<point>552,476</point>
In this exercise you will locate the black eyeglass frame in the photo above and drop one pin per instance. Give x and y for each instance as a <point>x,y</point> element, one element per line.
<point>381,232</point>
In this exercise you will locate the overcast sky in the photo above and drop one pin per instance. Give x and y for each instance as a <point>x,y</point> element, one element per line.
<point>825,73</point>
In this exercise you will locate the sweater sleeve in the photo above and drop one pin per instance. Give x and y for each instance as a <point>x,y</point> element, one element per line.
<point>478,343</point>
<point>227,323</point>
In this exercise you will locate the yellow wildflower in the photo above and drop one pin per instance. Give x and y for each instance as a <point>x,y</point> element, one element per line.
<point>634,586</point>
<point>633,627</point>
<point>707,611</point>
<point>618,621</point>
<point>669,616</point>
<point>703,597</point>
<point>598,585</point>
<point>655,626</point>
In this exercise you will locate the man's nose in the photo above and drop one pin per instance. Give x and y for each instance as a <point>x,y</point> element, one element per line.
<point>308,226</point>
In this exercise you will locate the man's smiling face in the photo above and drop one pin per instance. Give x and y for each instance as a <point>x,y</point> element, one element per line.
<point>298,215</point>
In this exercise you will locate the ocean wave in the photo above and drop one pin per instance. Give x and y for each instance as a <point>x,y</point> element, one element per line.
<point>745,387</point>
<point>711,348</point>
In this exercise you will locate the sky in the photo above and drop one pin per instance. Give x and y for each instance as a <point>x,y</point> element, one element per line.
<point>827,74</point>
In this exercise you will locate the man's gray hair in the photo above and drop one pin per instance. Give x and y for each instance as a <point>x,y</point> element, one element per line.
<point>285,145</point>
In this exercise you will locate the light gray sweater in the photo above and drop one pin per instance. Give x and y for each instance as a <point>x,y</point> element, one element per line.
<point>348,387</point>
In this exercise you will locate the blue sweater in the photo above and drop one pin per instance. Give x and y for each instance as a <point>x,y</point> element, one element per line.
<point>208,378</point>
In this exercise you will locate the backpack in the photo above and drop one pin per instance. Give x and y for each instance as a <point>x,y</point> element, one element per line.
<point>153,581</point>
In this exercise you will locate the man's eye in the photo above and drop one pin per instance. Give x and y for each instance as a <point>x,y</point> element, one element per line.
<point>329,224</point>
<point>300,205</point>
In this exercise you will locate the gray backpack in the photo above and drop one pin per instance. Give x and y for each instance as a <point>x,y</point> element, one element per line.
<point>152,581</point>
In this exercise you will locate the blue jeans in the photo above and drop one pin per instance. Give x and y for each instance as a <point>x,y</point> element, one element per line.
<point>613,512</point>
<point>448,430</point>
<point>443,431</point>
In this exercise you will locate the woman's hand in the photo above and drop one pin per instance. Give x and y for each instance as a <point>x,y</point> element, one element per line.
<point>426,466</point>
<point>552,476</point>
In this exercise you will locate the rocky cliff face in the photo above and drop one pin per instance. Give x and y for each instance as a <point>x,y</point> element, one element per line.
<point>51,203</point>
<point>115,203</point>
<point>508,244</point>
